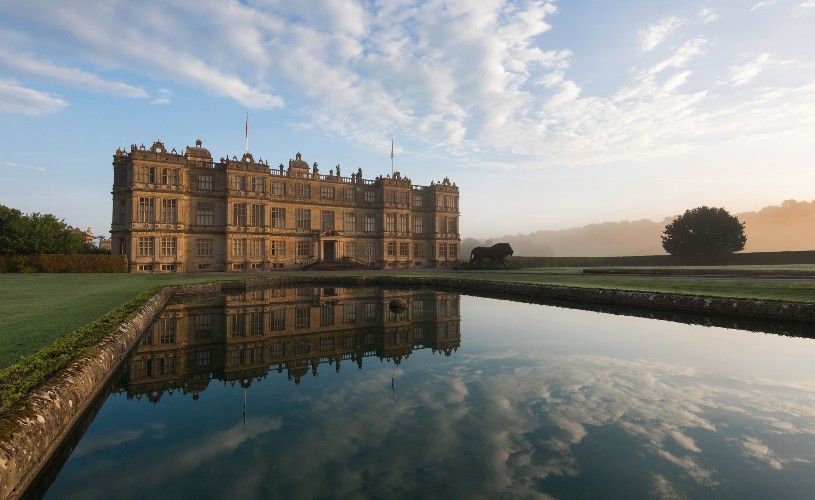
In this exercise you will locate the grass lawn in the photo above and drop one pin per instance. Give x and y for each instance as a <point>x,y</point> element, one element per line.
<point>36,309</point>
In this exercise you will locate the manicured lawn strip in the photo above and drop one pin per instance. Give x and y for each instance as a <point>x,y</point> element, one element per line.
<point>19,378</point>
<point>787,291</point>
<point>35,309</point>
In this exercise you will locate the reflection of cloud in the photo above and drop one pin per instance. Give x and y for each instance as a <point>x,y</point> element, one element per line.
<point>528,421</point>
<point>664,489</point>
<point>106,441</point>
<point>684,441</point>
<point>691,466</point>
<point>658,405</point>
<point>217,444</point>
<point>178,458</point>
<point>753,447</point>
<point>504,422</point>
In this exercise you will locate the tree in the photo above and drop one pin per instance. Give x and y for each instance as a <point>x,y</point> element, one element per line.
<point>704,234</point>
<point>11,222</point>
<point>37,234</point>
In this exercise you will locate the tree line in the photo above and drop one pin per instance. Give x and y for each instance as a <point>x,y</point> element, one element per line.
<point>702,235</point>
<point>36,233</point>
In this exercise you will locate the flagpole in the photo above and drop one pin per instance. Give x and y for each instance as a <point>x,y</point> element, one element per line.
<point>391,156</point>
<point>247,131</point>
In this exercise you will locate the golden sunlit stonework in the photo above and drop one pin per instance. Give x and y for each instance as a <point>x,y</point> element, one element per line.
<point>247,334</point>
<point>175,212</point>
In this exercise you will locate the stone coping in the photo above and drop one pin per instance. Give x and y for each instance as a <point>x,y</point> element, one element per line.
<point>33,430</point>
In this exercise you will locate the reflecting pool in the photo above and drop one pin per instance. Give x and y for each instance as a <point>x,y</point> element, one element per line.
<point>341,393</point>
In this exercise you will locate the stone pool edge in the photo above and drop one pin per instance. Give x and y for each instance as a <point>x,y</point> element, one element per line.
<point>40,424</point>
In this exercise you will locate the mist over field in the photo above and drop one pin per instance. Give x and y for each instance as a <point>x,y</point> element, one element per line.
<point>786,227</point>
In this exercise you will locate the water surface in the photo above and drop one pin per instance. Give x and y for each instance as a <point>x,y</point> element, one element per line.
<point>331,393</point>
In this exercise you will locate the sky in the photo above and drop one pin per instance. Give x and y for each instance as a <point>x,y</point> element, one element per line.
<point>547,114</point>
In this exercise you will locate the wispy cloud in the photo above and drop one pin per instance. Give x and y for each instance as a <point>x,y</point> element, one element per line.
<point>163,97</point>
<point>707,15</point>
<point>11,164</point>
<point>17,99</point>
<point>761,5</point>
<point>72,76</point>
<point>655,34</point>
<point>165,44</point>
<point>804,7</point>
<point>683,55</point>
<point>478,82</point>
<point>741,74</point>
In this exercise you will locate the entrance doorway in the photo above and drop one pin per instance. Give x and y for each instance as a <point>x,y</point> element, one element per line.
<point>329,251</point>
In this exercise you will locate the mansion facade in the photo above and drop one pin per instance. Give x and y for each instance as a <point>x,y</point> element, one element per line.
<point>247,334</point>
<point>175,212</point>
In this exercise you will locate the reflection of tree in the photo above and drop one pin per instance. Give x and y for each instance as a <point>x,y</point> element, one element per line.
<point>244,335</point>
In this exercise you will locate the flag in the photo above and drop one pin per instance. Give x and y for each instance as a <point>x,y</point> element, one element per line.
<point>247,131</point>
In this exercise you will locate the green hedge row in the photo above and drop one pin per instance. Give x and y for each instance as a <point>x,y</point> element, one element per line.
<point>647,260</point>
<point>755,258</point>
<point>63,263</point>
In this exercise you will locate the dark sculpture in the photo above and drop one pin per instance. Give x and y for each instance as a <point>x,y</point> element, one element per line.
<point>499,251</point>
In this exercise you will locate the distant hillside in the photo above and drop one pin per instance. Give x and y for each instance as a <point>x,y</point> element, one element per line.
<point>788,226</point>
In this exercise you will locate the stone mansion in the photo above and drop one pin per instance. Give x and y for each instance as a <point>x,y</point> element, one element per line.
<point>177,212</point>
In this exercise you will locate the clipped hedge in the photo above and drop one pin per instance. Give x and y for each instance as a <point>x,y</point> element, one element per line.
<point>752,258</point>
<point>517,261</point>
<point>63,263</point>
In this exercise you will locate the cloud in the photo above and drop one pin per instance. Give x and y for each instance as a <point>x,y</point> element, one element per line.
<point>683,55</point>
<point>11,164</point>
<point>164,43</point>
<point>744,73</point>
<point>17,99</point>
<point>479,83</point>
<point>706,15</point>
<point>655,34</point>
<point>71,76</point>
<point>761,5</point>
<point>805,7</point>
<point>163,97</point>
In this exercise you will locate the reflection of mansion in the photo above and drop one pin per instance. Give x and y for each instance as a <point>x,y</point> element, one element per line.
<point>243,336</point>
<point>185,212</point>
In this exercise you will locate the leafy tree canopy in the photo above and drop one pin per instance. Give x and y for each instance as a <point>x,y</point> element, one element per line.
<point>37,234</point>
<point>704,234</point>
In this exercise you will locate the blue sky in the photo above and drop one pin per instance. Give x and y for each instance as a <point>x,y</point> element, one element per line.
<point>548,115</point>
